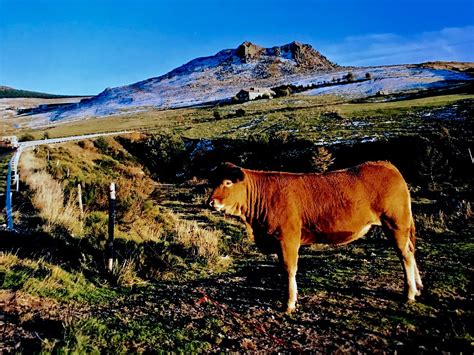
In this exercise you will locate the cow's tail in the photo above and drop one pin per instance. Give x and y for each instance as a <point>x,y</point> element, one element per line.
<point>412,233</point>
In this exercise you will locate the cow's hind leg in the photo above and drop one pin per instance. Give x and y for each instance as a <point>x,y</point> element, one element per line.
<point>419,284</point>
<point>404,244</point>
<point>289,254</point>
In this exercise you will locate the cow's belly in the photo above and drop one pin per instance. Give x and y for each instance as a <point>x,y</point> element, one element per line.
<point>336,235</point>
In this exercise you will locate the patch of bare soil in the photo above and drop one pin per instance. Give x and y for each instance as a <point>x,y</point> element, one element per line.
<point>26,320</point>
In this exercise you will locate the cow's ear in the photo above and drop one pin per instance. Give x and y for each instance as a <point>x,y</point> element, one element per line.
<point>233,172</point>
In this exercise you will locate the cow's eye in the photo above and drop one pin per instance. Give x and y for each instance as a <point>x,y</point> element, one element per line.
<point>227,183</point>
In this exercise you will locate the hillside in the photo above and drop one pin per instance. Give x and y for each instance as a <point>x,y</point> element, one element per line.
<point>219,77</point>
<point>187,279</point>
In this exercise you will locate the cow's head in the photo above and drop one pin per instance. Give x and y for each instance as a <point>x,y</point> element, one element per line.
<point>227,181</point>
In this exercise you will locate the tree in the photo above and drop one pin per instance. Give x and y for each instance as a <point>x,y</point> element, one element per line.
<point>350,76</point>
<point>321,160</point>
<point>217,115</point>
<point>240,112</point>
<point>368,76</point>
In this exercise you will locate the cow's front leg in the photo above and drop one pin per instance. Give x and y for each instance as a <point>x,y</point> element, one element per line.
<point>289,254</point>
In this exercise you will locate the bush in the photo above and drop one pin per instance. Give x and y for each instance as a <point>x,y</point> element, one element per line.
<point>350,76</point>
<point>321,160</point>
<point>102,145</point>
<point>27,137</point>
<point>165,155</point>
<point>240,112</point>
<point>217,115</point>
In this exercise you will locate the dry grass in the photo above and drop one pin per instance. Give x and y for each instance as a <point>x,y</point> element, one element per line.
<point>199,241</point>
<point>435,223</point>
<point>48,196</point>
<point>125,273</point>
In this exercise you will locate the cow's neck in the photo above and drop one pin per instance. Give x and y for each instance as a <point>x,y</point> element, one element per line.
<point>254,209</point>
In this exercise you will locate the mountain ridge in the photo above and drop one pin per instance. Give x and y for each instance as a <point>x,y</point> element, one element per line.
<point>219,77</point>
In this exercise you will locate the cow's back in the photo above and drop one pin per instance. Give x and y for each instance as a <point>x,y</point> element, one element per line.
<point>338,207</point>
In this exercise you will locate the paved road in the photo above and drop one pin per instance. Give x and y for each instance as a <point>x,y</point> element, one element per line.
<point>13,165</point>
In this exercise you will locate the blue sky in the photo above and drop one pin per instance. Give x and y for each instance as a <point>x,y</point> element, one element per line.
<point>84,46</point>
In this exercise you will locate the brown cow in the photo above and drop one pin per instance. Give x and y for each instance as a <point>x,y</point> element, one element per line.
<point>283,211</point>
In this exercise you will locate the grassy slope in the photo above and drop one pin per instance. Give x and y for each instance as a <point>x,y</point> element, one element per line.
<point>296,112</point>
<point>350,296</point>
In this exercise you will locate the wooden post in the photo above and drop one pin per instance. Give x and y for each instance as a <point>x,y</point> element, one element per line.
<point>79,197</point>
<point>470,154</point>
<point>17,180</point>
<point>111,225</point>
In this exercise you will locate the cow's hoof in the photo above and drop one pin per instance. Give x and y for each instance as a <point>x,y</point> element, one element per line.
<point>290,310</point>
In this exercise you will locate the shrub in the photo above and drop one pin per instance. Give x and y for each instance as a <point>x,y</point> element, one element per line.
<point>240,112</point>
<point>368,76</point>
<point>96,225</point>
<point>321,160</point>
<point>350,76</point>
<point>217,115</point>
<point>434,166</point>
<point>27,137</point>
<point>165,155</point>
<point>102,145</point>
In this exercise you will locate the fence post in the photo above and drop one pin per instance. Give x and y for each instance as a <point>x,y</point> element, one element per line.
<point>111,226</point>
<point>79,197</point>
<point>470,154</point>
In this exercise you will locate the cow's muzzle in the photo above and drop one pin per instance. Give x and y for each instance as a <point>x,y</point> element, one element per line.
<point>215,204</point>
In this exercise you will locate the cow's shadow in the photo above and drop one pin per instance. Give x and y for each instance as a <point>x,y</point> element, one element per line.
<point>262,282</point>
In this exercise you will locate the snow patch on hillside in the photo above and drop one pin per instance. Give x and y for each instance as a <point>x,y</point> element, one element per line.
<point>393,80</point>
<point>220,77</point>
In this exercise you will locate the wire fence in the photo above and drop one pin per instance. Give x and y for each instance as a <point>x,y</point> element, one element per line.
<point>13,163</point>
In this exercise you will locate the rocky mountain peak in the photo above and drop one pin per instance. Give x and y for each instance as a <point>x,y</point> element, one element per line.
<point>304,55</point>
<point>249,52</point>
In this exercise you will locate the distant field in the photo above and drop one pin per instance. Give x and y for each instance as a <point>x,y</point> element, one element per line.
<point>11,121</point>
<point>299,114</point>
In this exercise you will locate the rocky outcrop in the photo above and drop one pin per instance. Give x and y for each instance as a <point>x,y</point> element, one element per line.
<point>304,56</point>
<point>248,52</point>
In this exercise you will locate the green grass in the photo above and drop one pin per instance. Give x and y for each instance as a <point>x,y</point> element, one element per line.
<point>303,114</point>
<point>400,107</point>
<point>4,159</point>
<point>348,295</point>
<point>122,334</point>
<point>39,278</point>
